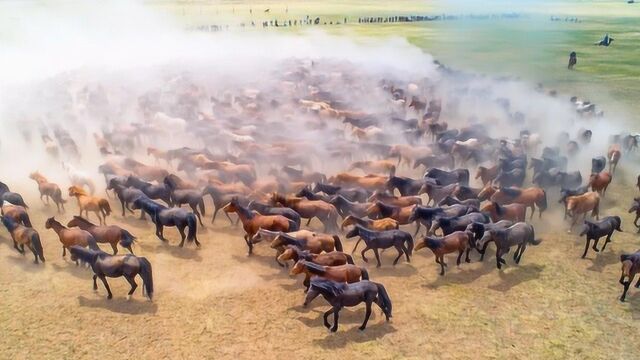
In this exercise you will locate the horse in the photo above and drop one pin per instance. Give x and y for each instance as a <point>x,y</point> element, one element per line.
<point>635,207</point>
<point>48,189</point>
<point>598,164</point>
<point>565,193</point>
<point>600,182</point>
<point>630,267</point>
<point>145,172</point>
<point>159,154</point>
<point>308,209</point>
<point>406,186</point>
<point>79,178</point>
<point>530,197</point>
<point>243,172</point>
<point>377,224</point>
<point>265,209</point>
<point>127,266</point>
<point>126,195</point>
<point>221,198</point>
<point>11,197</point>
<point>253,221</point>
<point>442,177</point>
<point>347,273</point>
<point>466,193</point>
<point>459,241</point>
<point>582,204</point>
<point>487,174</point>
<point>87,203</point>
<point>339,295</point>
<point>429,161</point>
<point>16,212</point>
<point>378,166</point>
<point>390,199</point>
<point>481,232</point>
<point>513,212</point>
<point>22,236</point>
<point>452,224</point>
<point>111,234</point>
<point>305,240</point>
<point>596,230</point>
<point>374,240</point>
<point>346,207</point>
<point>369,182</point>
<point>613,154</point>
<point>519,234</point>
<point>436,193</point>
<point>332,258</point>
<point>380,210</point>
<point>306,192</point>
<point>424,215</point>
<point>451,200</point>
<point>71,237</point>
<point>186,196</point>
<point>510,178</point>
<point>153,192</point>
<point>353,194</point>
<point>163,216</point>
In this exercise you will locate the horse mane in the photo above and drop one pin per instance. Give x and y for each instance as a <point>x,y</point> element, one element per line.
<point>290,240</point>
<point>3,187</point>
<point>81,219</point>
<point>499,209</point>
<point>86,255</point>
<point>314,268</point>
<point>78,190</point>
<point>328,287</point>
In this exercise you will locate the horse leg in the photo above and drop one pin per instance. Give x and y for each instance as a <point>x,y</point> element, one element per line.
<point>498,259</point>
<point>114,246</point>
<point>364,258</point>
<point>595,245</point>
<point>524,247</point>
<point>533,209</point>
<point>106,285</point>
<point>194,207</point>
<point>35,254</point>
<point>122,203</point>
<point>460,252</point>
<point>64,251</point>
<point>326,316</point>
<point>309,221</point>
<point>607,240</point>
<point>515,254</point>
<point>366,316</point>
<point>215,212</point>
<point>375,251</point>
<point>229,217</point>
<point>440,259</point>
<point>95,284</point>
<point>311,294</point>
<point>336,312</point>
<point>306,282</point>
<point>484,250</point>
<point>626,288</point>
<point>400,253</point>
<point>134,286</point>
<point>182,235</point>
<point>467,259</point>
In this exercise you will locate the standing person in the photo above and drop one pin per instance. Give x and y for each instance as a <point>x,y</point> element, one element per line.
<point>573,60</point>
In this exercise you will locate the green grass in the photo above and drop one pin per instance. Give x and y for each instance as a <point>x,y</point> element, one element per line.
<point>533,48</point>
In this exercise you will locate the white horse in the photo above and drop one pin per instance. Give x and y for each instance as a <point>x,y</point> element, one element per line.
<point>78,177</point>
<point>169,124</point>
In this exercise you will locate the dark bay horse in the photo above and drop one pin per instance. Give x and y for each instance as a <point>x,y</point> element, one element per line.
<point>126,195</point>
<point>339,295</point>
<point>154,192</point>
<point>375,240</point>
<point>595,230</point>
<point>163,216</point>
<point>192,197</point>
<point>22,236</point>
<point>110,234</point>
<point>630,267</point>
<point>105,265</point>
<point>12,197</point>
<point>519,234</point>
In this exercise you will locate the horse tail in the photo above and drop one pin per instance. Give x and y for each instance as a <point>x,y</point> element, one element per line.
<point>349,259</point>
<point>542,202</point>
<point>337,243</point>
<point>58,196</point>
<point>147,276</point>
<point>26,220</point>
<point>192,223</point>
<point>104,205</point>
<point>293,226</point>
<point>385,301</point>
<point>364,274</point>
<point>532,239</point>
<point>127,239</point>
<point>201,205</point>
<point>37,245</point>
<point>618,223</point>
<point>409,241</point>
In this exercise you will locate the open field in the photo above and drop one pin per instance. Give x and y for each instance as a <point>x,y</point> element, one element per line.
<point>218,303</point>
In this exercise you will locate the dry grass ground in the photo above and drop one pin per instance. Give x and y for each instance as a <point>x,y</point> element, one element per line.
<point>218,303</point>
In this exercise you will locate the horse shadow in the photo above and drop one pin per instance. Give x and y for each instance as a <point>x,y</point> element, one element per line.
<point>601,261</point>
<point>633,301</point>
<point>517,275</point>
<point>136,222</point>
<point>80,271</point>
<point>122,306</point>
<point>25,263</point>
<point>188,252</point>
<point>462,275</point>
<point>375,330</point>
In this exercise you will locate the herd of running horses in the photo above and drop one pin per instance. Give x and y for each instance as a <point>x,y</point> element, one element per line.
<point>267,179</point>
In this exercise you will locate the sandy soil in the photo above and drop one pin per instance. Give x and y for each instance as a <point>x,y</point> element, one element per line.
<point>219,303</point>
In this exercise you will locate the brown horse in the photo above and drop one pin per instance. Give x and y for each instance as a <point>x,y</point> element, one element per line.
<point>400,214</point>
<point>308,209</point>
<point>333,258</point>
<point>437,192</point>
<point>487,174</point>
<point>70,237</point>
<point>347,273</point>
<point>111,234</point>
<point>513,212</point>
<point>530,197</point>
<point>369,182</point>
<point>17,213</point>
<point>600,182</point>
<point>308,240</point>
<point>459,241</point>
<point>582,204</point>
<point>48,189</point>
<point>377,224</point>
<point>377,166</point>
<point>22,236</point>
<point>630,267</point>
<point>614,154</point>
<point>145,172</point>
<point>253,221</point>
<point>86,203</point>
<point>243,172</point>
<point>391,199</point>
<point>159,154</point>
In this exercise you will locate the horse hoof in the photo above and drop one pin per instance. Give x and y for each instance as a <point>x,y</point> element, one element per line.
<point>109,297</point>
<point>361,328</point>
<point>128,297</point>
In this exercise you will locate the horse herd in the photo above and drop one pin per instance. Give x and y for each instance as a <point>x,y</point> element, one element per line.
<point>445,213</point>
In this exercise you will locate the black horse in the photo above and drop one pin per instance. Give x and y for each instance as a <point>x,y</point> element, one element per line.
<point>346,207</point>
<point>406,186</point>
<point>519,234</point>
<point>374,240</point>
<point>126,195</point>
<point>154,192</point>
<point>105,265</point>
<point>12,197</point>
<point>443,177</point>
<point>424,215</point>
<point>598,164</point>
<point>355,194</point>
<point>186,196</point>
<point>163,216</point>
<point>452,224</point>
<point>595,230</point>
<point>511,178</point>
<point>339,295</point>
<point>481,230</point>
<point>306,192</point>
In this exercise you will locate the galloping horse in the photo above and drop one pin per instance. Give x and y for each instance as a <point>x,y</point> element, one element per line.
<point>377,224</point>
<point>186,196</point>
<point>325,212</point>
<point>582,204</point>
<point>459,241</point>
<point>530,197</point>
<point>163,216</point>
<point>348,273</point>
<point>48,189</point>
<point>22,236</point>
<point>70,237</point>
<point>375,240</point>
<point>105,265</point>
<point>87,203</point>
<point>600,182</point>
<point>614,155</point>
<point>111,234</point>
<point>16,212</point>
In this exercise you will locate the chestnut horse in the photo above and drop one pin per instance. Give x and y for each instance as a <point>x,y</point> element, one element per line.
<point>630,267</point>
<point>513,212</point>
<point>48,189</point>
<point>582,204</point>
<point>614,154</point>
<point>600,182</point>
<point>86,203</point>
<point>16,212</point>
<point>348,273</point>
<point>308,209</point>
<point>459,241</point>
<point>529,197</point>
<point>369,182</point>
<point>111,234</point>
<point>22,236</point>
<point>377,224</point>
<point>487,175</point>
<point>71,237</point>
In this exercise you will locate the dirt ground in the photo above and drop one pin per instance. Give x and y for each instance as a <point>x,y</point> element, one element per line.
<point>217,302</point>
